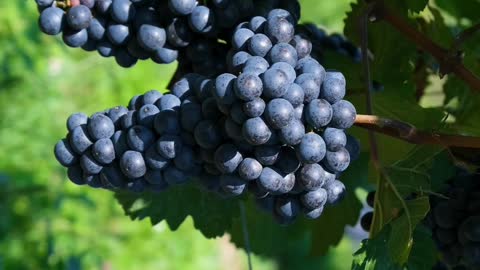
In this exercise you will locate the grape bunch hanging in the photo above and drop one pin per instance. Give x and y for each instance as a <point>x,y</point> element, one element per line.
<point>454,219</point>
<point>271,123</point>
<point>163,31</point>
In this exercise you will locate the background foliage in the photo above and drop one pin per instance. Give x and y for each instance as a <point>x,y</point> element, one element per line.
<point>48,223</point>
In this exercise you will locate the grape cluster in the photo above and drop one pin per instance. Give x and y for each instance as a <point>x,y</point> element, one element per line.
<point>285,116</point>
<point>147,146</point>
<point>273,126</point>
<point>455,221</point>
<point>132,30</point>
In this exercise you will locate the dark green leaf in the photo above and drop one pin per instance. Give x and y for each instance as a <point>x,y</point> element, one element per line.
<point>374,255</point>
<point>466,9</point>
<point>416,5</point>
<point>212,215</point>
<point>400,241</point>
<point>442,169</point>
<point>401,202</point>
<point>424,252</point>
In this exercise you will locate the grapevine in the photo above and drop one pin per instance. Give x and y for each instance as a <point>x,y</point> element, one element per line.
<point>266,109</point>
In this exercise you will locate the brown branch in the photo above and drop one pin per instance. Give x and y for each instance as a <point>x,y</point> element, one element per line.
<point>409,133</point>
<point>448,62</point>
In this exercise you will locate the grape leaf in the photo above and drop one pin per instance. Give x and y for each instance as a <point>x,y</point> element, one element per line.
<point>390,105</point>
<point>212,215</point>
<point>462,104</point>
<point>266,236</point>
<point>431,23</point>
<point>423,255</point>
<point>467,8</point>
<point>382,41</point>
<point>401,239</point>
<point>442,169</point>
<point>373,254</point>
<point>416,5</point>
<point>395,205</point>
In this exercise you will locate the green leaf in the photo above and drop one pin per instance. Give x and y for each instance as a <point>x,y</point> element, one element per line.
<point>432,25</point>
<point>424,252</point>
<point>463,105</point>
<point>212,215</point>
<point>395,207</point>
<point>416,5</point>
<point>466,9</point>
<point>391,105</point>
<point>373,254</point>
<point>442,169</point>
<point>400,241</point>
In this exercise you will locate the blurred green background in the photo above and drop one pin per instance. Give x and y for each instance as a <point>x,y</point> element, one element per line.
<point>47,222</point>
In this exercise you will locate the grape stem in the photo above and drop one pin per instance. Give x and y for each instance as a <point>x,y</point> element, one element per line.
<point>367,80</point>
<point>409,133</point>
<point>450,62</point>
<point>374,155</point>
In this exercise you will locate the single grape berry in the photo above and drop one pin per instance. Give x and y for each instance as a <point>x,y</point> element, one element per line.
<point>267,155</point>
<point>248,86</point>
<point>270,180</point>
<point>311,149</point>
<point>132,164</point>
<point>337,161</point>
<point>366,221</point>
<point>318,113</point>
<point>311,176</point>
<point>52,21</point>
<point>287,207</point>
<point>232,184</point>
<point>122,11</point>
<point>79,17</point>
<point>65,154</point>
<point>154,160</point>
<point>333,87</point>
<point>344,114</point>
<point>370,198</point>
<point>250,169</point>
<point>259,45</point>
<point>335,191</point>
<point>275,83</point>
<point>256,131</point>
<point>314,199</point>
<point>334,139</point>
<point>151,37</point>
<point>279,112</point>
<point>201,20</point>
<point>254,108</point>
<point>80,140</point>
<point>169,146</point>
<point>182,7</point>
<point>103,151</point>
<point>227,158</point>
